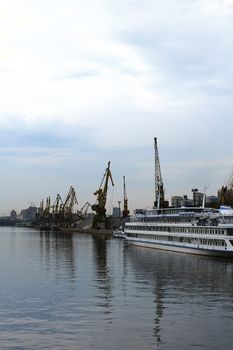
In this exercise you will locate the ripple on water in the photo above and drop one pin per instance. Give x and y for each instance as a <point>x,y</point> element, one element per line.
<point>83,292</point>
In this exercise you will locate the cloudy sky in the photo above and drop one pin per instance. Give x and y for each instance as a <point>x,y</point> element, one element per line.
<point>85,82</point>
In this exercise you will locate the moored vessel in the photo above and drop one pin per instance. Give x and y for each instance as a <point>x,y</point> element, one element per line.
<point>196,230</point>
<point>203,231</point>
<point>118,233</point>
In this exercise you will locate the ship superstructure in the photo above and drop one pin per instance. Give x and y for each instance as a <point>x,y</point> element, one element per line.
<point>196,230</point>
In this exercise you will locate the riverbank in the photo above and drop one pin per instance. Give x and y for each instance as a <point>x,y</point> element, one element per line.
<point>87,231</point>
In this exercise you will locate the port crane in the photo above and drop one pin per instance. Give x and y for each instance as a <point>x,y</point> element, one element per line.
<point>45,214</point>
<point>41,208</point>
<point>125,212</point>
<point>99,206</point>
<point>159,190</point>
<point>57,210</point>
<point>67,207</point>
<point>60,213</point>
<point>83,211</point>
<point>39,214</point>
<point>46,211</point>
<point>226,192</point>
<point>57,206</point>
<point>43,217</point>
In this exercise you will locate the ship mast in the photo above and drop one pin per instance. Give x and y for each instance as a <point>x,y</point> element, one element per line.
<point>159,191</point>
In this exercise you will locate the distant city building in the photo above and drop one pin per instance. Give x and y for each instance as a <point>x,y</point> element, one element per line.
<point>28,214</point>
<point>197,198</point>
<point>116,212</point>
<point>212,201</point>
<point>179,201</point>
<point>187,202</point>
<point>197,201</point>
<point>13,215</point>
<point>176,201</point>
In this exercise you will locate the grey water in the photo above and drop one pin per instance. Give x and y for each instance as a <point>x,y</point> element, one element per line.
<point>79,291</point>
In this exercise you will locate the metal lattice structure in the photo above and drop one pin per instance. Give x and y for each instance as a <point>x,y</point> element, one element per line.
<point>159,191</point>
<point>99,206</point>
<point>125,212</point>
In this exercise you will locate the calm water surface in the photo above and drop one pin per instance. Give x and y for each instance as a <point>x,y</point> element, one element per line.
<point>89,292</point>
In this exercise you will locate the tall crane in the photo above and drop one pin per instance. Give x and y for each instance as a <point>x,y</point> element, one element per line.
<point>159,190</point>
<point>39,214</point>
<point>83,211</point>
<point>67,207</point>
<point>46,212</point>
<point>57,211</point>
<point>57,206</point>
<point>226,192</point>
<point>125,211</point>
<point>43,216</point>
<point>99,206</point>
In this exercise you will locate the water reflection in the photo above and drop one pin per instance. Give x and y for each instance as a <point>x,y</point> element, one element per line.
<point>57,251</point>
<point>181,281</point>
<point>159,295</point>
<point>185,272</point>
<point>82,291</point>
<point>103,277</point>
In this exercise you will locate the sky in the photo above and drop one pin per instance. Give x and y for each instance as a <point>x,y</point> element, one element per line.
<point>87,82</point>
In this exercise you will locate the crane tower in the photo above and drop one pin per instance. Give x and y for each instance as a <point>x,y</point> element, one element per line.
<point>159,191</point>
<point>99,206</point>
<point>125,211</point>
<point>226,192</point>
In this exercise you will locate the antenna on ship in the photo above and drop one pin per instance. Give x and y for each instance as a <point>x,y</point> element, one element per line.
<point>159,191</point>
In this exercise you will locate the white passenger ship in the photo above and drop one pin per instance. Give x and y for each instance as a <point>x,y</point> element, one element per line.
<point>203,231</point>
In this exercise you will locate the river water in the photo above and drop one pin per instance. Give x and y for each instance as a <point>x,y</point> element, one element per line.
<point>77,291</point>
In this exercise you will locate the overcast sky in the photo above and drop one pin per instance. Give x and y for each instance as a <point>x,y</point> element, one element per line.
<point>85,82</point>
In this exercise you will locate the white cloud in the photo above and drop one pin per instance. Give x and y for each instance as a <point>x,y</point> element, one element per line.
<point>114,74</point>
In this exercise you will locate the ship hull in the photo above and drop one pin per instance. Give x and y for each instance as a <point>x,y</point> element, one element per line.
<point>182,249</point>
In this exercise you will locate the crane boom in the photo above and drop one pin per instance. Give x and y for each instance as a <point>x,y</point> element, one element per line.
<point>66,212</point>
<point>83,211</point>
<point>57,205</point>
<point>70,201</point>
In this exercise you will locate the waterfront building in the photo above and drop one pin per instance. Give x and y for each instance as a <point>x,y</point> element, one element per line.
<point>13,215</point>
<point>116,213</point>
<point>187,202</point>
<point>197,198</point>
<point>29,213</point>
<point>212,201</point>
<point>179,201</point>
<point>176,201</point>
